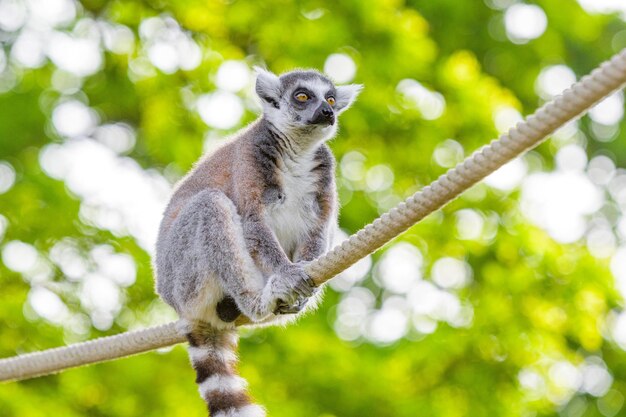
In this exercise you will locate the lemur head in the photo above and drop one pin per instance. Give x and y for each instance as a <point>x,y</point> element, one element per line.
<point>303,104</point>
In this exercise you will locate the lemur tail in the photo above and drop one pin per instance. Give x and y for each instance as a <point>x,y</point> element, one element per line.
<point>213,356</point>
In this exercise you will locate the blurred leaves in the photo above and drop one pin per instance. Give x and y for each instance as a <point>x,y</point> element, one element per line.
<point>520,323</point>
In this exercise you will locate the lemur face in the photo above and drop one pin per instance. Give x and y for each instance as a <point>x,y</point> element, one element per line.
<point>304,102</point>
<point>309,98</point>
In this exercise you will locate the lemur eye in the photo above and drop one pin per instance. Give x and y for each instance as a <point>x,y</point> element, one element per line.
<point>302,97</point>
<point>331,100</point>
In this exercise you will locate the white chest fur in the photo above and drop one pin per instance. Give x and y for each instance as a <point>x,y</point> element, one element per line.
<point>293,218</point>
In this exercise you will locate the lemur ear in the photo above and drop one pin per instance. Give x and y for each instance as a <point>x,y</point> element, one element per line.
<point>267,86</point>
<point>346,94</point>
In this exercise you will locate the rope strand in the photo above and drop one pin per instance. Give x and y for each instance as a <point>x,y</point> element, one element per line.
<point>604,80</point>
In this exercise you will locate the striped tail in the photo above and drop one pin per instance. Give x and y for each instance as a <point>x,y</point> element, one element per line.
<point>213,356</point>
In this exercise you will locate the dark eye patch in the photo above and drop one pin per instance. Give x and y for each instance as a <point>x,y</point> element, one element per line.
<point>304,90</point>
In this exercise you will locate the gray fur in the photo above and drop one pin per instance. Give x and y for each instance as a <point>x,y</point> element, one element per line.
<point>245,218</point>
<point>242,224</point>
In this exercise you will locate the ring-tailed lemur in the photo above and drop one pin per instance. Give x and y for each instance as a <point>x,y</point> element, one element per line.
<point>242,224</point>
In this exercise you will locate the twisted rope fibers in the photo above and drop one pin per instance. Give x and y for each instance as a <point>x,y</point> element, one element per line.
<point>607,78</point>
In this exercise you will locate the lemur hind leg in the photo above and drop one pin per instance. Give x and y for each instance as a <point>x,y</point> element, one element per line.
<point>203,257</point>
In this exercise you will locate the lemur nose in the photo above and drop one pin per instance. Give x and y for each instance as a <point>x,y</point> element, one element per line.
<point>323,115</point>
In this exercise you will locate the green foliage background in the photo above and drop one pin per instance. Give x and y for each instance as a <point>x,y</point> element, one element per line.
<point>534,301</point>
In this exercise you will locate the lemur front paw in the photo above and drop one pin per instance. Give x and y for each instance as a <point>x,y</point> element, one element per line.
<point>284,308</point>
<point>291,287</point>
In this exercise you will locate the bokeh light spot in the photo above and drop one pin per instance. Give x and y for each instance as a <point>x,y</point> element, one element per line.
<point>221,110</point>
<point>571,158</point>
<point>604,6</point>
<point>506,117</point>
<point>7,176</point>
<point>12,15</point>
<point>47,305</point>
<point>118,137</point>
<point>400,267</point>
<point>233,76</point>
<point>469,224</point>
<point>430,104</point>
<point>451,273</point>
<point>19,256</point>
<point>609,111</point>
<point>340,67</point>
<point>524,22</point>
<point>73,118</point>
<point>509,176</point>
<point>553,80</point>
<point>28,50</point>
<point>448,153</point>
<point>80,56</point>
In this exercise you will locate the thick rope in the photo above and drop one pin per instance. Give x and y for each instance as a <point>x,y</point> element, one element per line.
<point>98,350</point>
<point>604,80</point>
